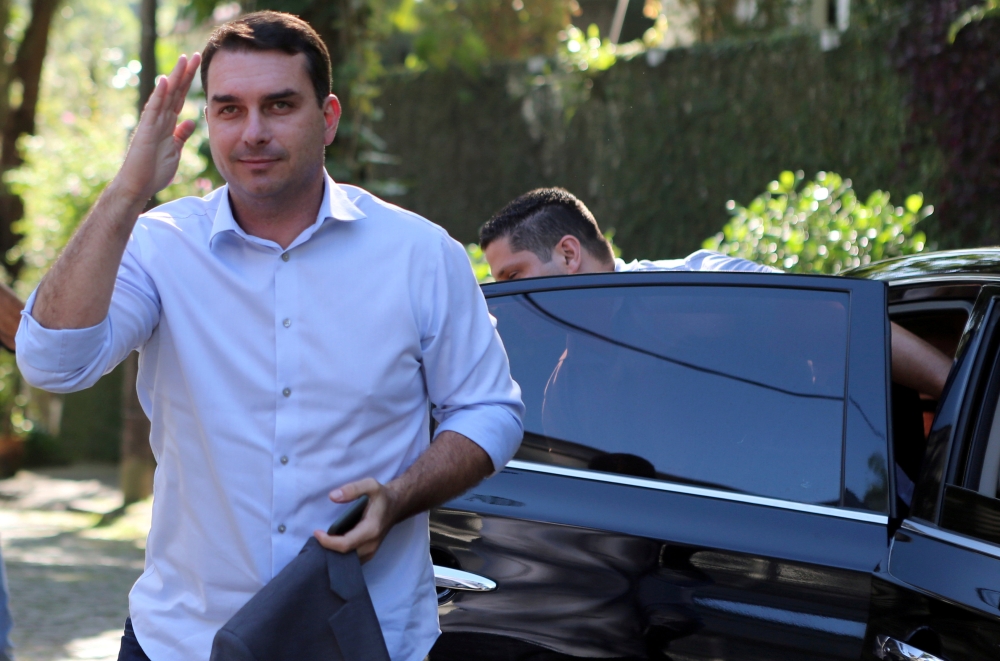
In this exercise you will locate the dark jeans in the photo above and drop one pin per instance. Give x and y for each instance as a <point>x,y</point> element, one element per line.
<point>130,650</point>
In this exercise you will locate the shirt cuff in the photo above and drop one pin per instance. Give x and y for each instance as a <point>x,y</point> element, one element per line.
<point>57,351</point>
<point>494,428</point>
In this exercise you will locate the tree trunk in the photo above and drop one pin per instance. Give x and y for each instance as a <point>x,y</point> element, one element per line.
<point>137,463</point>
<point>147,51</point>
<point>26,69</point>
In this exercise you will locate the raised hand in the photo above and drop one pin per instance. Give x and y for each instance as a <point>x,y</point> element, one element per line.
<point>155,151</point>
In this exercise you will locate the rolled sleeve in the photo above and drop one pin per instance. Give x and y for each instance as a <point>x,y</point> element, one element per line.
<point>67,360</point>
<point>46,357</point>
<point>465,364</point>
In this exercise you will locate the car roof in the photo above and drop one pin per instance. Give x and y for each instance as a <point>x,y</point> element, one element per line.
<point>977,264</point>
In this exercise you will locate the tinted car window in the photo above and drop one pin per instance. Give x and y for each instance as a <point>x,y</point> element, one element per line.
<point>734,388</point>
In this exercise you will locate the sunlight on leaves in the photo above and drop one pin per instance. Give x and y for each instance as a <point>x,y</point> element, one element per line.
<point>820,226</point>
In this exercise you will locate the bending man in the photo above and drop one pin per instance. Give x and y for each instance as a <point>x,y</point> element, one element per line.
<point>548,231</point>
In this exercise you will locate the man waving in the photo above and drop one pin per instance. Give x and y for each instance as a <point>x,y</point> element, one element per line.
<point>286,366</point>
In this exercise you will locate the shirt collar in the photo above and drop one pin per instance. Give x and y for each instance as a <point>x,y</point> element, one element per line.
<point>335,206</point>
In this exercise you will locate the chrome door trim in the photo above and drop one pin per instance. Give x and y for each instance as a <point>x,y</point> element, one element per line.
<point>952,538</point>
<point>456,579</point>
<point>890,649</point>
<point>944,279</point>
<point>825,510</point>
<point>781,616</point>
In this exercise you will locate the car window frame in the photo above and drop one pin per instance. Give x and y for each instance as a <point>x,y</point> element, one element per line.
<point>956,419</point>
<point>866,380</point>
<point>953,469</point>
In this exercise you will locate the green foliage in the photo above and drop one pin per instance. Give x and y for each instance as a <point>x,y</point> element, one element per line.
<point>610,236</point>
<point>820,226</point>
<point>87,108</point>
<point>989,9</point>
<point>470,34</point>
<point>656,151</point>
<point>43,449</point>
<point>479,264</point>
<point>585,52</point>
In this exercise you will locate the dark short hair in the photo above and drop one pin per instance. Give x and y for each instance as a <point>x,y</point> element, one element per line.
<point>272,30</point>
<point>537,220</point>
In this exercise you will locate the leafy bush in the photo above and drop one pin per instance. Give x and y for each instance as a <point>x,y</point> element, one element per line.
<point>820,226</point>
<point>479,264</point>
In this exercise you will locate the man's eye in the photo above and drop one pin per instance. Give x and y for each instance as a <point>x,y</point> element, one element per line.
<point>227,110</point>
<point>282,105</point>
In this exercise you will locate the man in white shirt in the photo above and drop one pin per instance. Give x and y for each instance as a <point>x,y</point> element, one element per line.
<point>292,334</point>
<point>549,231</point>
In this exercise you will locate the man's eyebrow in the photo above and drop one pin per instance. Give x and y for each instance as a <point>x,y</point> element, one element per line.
<point>273,96</point>
<point>283,94</point>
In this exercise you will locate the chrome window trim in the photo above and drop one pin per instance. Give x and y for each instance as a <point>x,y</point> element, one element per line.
<point>925,306</point>
<point>825,510</point>
<point>944,279</point>
<point>952,538</point>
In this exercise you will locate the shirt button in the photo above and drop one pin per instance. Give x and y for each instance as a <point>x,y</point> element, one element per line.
<point>282,528</point>
<point>286,323</point>
<point>284,460</point>
<point>287,392</point>
<point>285,257</point>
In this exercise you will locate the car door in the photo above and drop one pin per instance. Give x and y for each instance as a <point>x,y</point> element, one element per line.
<point>703,473</point>
<point>937,595</point>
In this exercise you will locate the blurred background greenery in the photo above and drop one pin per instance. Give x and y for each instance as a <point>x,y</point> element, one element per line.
<point>654,112</point>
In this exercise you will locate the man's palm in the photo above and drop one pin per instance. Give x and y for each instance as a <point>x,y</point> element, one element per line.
<point>155,151</point>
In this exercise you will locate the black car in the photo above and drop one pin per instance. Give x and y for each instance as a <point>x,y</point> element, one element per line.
<point>717,466</point>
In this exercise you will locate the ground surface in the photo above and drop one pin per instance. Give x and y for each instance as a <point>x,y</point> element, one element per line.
<point>69,574</point>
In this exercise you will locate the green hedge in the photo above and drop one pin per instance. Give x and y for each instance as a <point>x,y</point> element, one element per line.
<point>656,152</point>
<point>91,423</point>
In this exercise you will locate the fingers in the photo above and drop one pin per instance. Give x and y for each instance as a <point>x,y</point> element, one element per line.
<point>355,490</point>
<point>184,131</point>
<point>176,83</point>
<point>164,93</point>
<point>367,535</point>
<point>364,538</point>
<point>190,71</point>
<point>155,102</point>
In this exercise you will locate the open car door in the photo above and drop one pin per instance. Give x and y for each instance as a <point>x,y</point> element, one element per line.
<point>937,594</point>
<point>703,474</point>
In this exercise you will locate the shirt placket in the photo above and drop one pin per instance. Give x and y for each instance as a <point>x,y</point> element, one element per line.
<point>287,395</point>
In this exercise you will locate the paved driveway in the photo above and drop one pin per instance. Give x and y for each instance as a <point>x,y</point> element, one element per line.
<point>68,575</point>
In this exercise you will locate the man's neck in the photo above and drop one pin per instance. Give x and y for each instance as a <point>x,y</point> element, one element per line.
<point>280,218</point>
<point>590,264</point>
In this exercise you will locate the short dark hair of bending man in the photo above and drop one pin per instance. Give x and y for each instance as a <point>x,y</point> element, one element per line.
<point>284,369</point>
<point>549,231</point>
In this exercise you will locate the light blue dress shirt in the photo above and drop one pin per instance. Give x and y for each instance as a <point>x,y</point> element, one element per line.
<point>700,260</point>
<point>270,377</point>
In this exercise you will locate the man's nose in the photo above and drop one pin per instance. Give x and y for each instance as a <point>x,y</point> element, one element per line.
<point>255,131</point>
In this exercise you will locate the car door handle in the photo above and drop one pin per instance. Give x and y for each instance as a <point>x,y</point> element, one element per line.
<point>890,649</point>
<point>456,579</point>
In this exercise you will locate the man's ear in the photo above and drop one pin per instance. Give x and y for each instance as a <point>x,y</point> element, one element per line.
<point>569,252</point>
<point>331,117</point>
